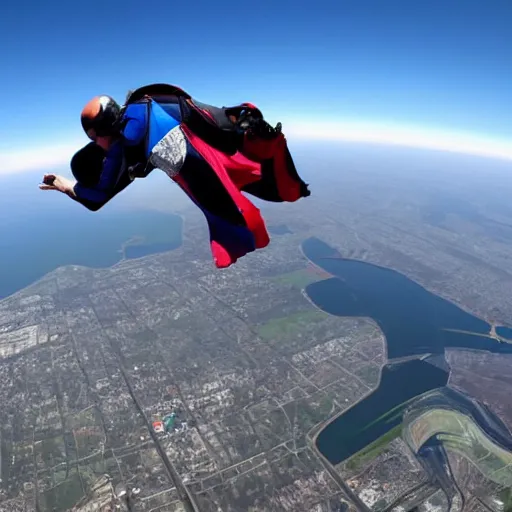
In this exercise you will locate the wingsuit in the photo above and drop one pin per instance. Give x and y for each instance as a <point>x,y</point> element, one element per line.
<point>214,155</point>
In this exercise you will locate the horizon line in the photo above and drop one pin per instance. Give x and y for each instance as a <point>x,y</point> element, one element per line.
<point>390,134</point>
<point>45,157</point>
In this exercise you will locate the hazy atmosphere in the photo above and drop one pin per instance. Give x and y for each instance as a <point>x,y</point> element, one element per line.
<point>307,317</point>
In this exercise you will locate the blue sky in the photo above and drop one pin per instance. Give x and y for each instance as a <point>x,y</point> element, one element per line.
<point>438,65</point>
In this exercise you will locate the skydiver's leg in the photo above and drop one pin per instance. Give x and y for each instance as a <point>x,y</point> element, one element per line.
<point>235,224</point>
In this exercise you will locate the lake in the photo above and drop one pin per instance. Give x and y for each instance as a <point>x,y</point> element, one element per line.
<point>414,322</point>
<point>505,332</point>
<point>379,412</point>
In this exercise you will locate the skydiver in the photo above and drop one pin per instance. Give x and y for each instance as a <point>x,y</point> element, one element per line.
<point>213,154</point>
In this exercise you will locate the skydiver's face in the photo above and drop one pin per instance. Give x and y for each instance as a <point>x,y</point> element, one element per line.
<point>102,142</point>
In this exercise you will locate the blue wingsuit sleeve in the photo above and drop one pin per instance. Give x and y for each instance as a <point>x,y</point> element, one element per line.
<point>112,181</point>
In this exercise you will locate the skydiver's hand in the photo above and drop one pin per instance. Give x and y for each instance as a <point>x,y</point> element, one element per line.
<point>48,180</point>
<point>263,130</point>
<point>56,182</point>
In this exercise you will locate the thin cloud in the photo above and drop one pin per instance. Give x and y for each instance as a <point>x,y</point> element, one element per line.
<point>50,157</point>
<point>466,143</point>
<point>44,158</point>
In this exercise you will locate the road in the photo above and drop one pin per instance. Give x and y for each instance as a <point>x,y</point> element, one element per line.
<point>183,493</point>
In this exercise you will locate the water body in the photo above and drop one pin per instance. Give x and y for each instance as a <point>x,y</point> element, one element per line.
<point>505,332</point>
<point>379,412</point>
<point>414,322</point>
<point>31,246</point>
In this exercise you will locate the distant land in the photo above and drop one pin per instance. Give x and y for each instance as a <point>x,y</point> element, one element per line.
<point>249,367</point>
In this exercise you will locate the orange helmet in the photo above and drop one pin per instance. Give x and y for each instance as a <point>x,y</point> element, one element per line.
<point>101,114</point>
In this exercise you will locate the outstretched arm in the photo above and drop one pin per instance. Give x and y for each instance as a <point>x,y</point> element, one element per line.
<point>68,187</point>
<point>112,180</point>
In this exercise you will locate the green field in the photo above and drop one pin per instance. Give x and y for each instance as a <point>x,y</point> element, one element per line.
<point>279,328</point>
<point>461,435</point>
<point>299,278</point>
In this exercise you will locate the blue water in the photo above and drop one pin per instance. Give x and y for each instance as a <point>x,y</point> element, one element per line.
<point>413,320</point>
<point>36,238</point>
<point>371,418</point>
<point>506,332</point>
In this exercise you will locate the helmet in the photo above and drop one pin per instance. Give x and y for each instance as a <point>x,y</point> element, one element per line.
<point>101,114</point>
<point>87,164</point>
